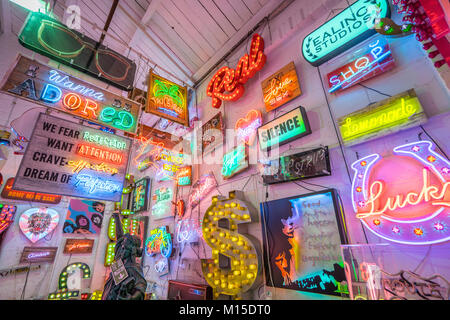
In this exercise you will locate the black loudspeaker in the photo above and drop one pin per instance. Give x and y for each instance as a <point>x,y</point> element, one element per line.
<point>188,291</point>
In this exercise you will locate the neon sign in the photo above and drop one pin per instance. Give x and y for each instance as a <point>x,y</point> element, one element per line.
<point>375,59</point>
<point>6,216</point>
<point>53,88</point>
<point>351,26</point>
<point>184,176</point>
<point>36,223</point>
<point>160,241</point>
<point>140,195</point>
<point>162,206</point>
<point>414,217</point>
<point>9,193</point>
<point>204,185</point>
<point>71,289</point>
<point>78,246</point>
<point>180,208</point>
<point>235,161</point>
<point>38,254</point>
<point>231,80</point>
<point>246,128</point>
<point>393,114</point>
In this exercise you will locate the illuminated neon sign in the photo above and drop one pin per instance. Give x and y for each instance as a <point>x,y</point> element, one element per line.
<point>9,193</point>
<point>415,217</point>
<point>233,80</point>
<point>71,289</point>
<point>246,128</point>
<point>374,59</point>
<point>160,241</point>
<point>184,176</point>
<point>391,115</point>
<point>204,185</point>
<point>162,203</point>
<point>7,213</point>
<point>351,26</point>
<point>44,85</point>
<point>235,161</point>
<point>36,223</point>
<point>140,195</point>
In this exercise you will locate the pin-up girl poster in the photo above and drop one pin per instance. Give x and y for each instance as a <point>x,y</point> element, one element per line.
<point>84,216</point>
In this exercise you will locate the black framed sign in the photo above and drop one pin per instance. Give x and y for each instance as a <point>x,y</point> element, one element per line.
<point>303,165</point>
<point>140,195</point>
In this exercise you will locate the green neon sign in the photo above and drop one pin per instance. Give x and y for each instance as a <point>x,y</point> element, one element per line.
<point>234,162</point>
<point>348,28</point>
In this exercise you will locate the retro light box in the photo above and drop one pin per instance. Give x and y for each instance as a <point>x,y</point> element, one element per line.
<point>391,115</point>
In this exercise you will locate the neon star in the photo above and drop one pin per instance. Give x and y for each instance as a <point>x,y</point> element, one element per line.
<point>415,148</point>
<point>395,230</point>
<point>431,158</point>
<point>418,231</point>
<point>438,226</point>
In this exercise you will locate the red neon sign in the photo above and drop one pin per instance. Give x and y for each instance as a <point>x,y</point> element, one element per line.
<point>246,128</point>
<point>233,80</point>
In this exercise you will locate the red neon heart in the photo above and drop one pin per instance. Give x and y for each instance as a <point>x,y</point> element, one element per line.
<point>246,128</point>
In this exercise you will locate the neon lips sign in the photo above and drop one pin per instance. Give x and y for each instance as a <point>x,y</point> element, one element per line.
<point>233,80</point>
<point>416,217</point>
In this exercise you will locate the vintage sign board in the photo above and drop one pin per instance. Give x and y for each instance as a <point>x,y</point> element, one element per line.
<point>213,133</point>
<point>69,159</point>
<point>167,100</point>
<point>38,254</point>
<point>394,114</point>
<point>348,28</point>
<point>235,161</point>
<point>140,195</point>
<point>200,189</point>
<point>9,193</point>
<point>284,129</point>
<point>281,87</point>
<point>78,246</point>
<point>303,165</point>
<point>51,87</point>
<point>51,38</point>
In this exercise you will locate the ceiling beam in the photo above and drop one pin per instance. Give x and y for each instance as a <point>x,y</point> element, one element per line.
<point>152,7</point>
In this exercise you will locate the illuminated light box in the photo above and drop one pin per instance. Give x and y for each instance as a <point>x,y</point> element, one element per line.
<point>246,128</point>
<point>220,231</point>
<point>162,203</point>
<point>140,195</point>
<point>9,193</point>
<point>36,223</point>
<point>167,99</point>
<point>233,80</point>
<point>284,129</point>
<point>51,38</point>
<point>281,87</point>
<point>50,87</point>
<point>213,133</point>
<point>184,176</point>
<point>169,162</point>
<point>408,205</point>
<point>302,237</point>
<point>7,213</point>
<point>78,246</point>
<point>61,159</point>
<point>235,161</point>
<point>366,63</point>
<point>38,254</point>
<point>70,281</point>
<point>348,28</point>
<point>160,241</point>
<point>298,166</point>
<point>391,115</point>
<point>201,188</point>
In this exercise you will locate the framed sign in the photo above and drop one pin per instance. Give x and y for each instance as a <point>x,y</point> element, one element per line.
<point>7,213</point>
<point>51,87</point>
<point>284,129</point>
<point>140,195</point>
<point>69,159</point>
<point>51,38</point>
<point>303,165</point>
<point>162,203</point>
<point>78,246</point>
<point>36,223</point>
<point>84,217</point>
<point>167,100</point>
<point>246,128</point>
<point>281,87</point>
<point>367,62</point>
<point>184,176</point>
<point>9,193</point>
<point>200,189</point>
<point>302,237</point>
<point>38,254</point>
<point>394,114</point>
<point>348,28</point>
<point>169,162</point>
<point>235,161</point>
<point>213,133</point>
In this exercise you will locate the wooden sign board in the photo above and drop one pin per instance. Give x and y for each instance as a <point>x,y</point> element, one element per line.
<point>9,193</point>
<point>38,254</point>
<point>281,87</point>
<point>70,159</point>
<point>39,83</point>
<point>394,114</point>
<point>213,133</point>
<point>78,246</point>
<point>167,100</point>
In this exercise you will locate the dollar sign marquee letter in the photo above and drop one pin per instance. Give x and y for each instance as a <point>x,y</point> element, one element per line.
<point>235,261</point>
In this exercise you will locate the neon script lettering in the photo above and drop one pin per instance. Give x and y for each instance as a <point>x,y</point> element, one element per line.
<point>64,81</point>
<point>277,91</point>
<point>94,184</point>
<point>233,80</point>
<point>79,165</point>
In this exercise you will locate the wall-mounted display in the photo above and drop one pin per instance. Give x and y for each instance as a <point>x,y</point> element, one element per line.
<point>84,217</point>
<point>167,99</point>
<point>162,266</point>
<point>70,159</point>
<point>348,28</point>
<point>367,62</point>
<point>78,246</point>
<point>70,281</point>
<point>394,114</point>
<point>55,40</point>
<point>160,241</point>
<point>51,87</point>
<point>235,161</point>
<point>237,276</point>
<point>140,195</point>
<point>36,223</point>
<point>9,193</point>
<point>213,133</point>
<point>408,205</point>
<point>183,176</point>
<point>246,128</point>
<point>168,163</point>
<point>281,87</point>
<point>200,189</point>
<point>233,80</point>
<point>180,208</point>
<point>162,203</point>
<point>302,237</point>
<point>284,129</point>
<point>38,254</point>
<point>303,165</point>
<point>7,213</point>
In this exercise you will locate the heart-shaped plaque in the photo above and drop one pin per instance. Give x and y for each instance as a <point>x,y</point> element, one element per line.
<point>246,128</point>
<point>36,223</point>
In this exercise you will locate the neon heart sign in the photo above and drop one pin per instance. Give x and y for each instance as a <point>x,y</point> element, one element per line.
<point>36,223</point>
<point>247,127</point>
<point>417,217</point>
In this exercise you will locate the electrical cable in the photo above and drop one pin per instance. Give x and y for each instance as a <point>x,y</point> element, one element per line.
<point>434,141</point>
<point>377,91</point>
<point>22,296</point>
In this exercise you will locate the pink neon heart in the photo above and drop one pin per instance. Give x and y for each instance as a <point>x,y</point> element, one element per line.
<point>36,223</point>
